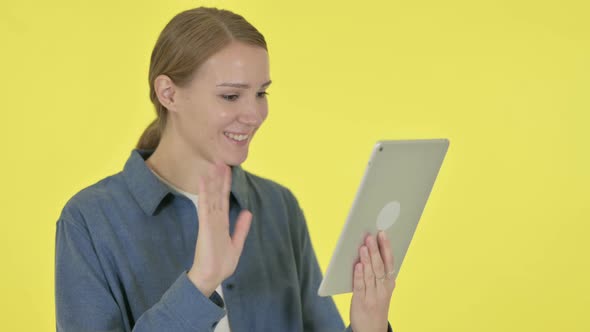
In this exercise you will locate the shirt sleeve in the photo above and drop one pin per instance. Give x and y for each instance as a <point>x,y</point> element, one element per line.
<point>319,313</point>
<point>84,301</point>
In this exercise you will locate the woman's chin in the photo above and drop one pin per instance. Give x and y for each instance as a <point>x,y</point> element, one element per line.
<point>236,159</point>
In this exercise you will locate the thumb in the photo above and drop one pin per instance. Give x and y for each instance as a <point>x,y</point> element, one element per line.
<point>242,227</point>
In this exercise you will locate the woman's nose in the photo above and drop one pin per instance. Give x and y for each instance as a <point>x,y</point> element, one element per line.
<point>253,114</point>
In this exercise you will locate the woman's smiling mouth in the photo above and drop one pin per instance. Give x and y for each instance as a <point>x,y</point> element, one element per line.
<point>236,138</point>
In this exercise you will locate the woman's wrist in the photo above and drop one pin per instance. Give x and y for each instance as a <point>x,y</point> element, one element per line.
<point>207,287</point>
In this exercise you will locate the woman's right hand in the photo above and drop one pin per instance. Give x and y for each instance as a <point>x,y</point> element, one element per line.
<point>216,253</point>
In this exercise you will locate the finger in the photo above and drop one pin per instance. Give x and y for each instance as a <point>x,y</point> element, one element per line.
<point>386,253</point>
<point>213,184</point>
<point>368,273</point>
<point>241,231</point>
<point>226,188</point>
<point>217,172</point>
<point>376,261</point>
<point>203,201</point>
<point>358,283</point>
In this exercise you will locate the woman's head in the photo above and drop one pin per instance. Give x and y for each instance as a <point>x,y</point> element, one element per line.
<point>207,76</point>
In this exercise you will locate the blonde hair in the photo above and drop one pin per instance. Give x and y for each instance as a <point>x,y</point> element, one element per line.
<point>187,41</point>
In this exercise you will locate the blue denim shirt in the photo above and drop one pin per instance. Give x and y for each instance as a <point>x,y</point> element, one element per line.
<point>125,243</point>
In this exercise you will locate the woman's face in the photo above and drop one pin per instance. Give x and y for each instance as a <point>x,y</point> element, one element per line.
<point>218,113</point>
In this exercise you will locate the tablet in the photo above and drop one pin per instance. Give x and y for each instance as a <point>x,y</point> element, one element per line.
<point>391,197</point>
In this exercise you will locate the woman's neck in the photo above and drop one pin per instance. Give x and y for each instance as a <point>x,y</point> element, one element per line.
<point>174,161</point>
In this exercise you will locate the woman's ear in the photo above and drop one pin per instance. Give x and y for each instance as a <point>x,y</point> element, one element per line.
<point>165,91</point>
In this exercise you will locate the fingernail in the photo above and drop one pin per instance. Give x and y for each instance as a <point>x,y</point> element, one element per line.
<point>364,251</point>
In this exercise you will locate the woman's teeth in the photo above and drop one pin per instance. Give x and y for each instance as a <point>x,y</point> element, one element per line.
<point>235,137</point>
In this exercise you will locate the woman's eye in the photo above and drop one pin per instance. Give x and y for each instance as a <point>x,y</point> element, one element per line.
<point>230,97</point>
<point>262,94</point>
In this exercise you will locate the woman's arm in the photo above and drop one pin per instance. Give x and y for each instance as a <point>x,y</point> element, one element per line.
<point>319,313</point>
<point>85,302</point>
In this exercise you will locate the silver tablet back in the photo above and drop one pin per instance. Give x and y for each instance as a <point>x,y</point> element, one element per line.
<point>392,195</point>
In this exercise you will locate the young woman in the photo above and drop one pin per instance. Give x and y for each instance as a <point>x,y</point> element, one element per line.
<point>184,239</point>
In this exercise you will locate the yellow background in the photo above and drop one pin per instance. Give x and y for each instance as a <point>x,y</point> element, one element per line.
<point>503,242</point>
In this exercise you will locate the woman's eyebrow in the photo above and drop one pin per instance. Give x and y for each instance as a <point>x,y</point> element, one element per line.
<point>242,85</point>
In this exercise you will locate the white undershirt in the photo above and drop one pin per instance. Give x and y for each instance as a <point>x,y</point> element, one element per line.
<point>223,325</point>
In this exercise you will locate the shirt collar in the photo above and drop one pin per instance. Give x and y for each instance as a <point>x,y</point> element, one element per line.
<point>149,191</point>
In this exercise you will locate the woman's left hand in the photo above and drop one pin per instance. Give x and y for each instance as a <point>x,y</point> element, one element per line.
<point>373,284</point>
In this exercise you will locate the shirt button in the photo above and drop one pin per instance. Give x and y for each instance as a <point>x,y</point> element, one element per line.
<point>229,286</point>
